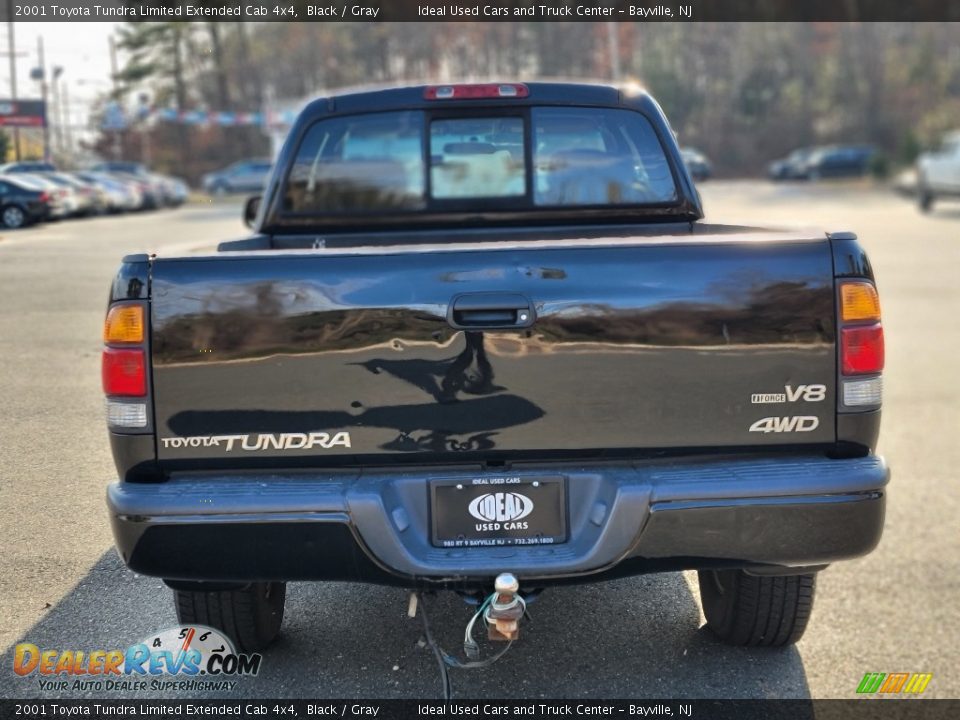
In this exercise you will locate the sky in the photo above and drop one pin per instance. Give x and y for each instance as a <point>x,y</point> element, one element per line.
<point>80,48</point>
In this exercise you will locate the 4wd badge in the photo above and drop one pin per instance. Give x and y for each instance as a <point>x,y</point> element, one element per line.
<point>794,423</point>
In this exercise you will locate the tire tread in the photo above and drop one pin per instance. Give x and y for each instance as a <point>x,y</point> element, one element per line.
<point>247,616</point>
<point>760,611</point>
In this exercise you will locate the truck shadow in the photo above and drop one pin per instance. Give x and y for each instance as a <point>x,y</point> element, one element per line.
<point>632,638</point>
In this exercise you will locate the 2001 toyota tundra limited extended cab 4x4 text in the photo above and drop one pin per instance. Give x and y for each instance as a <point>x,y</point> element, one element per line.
<point>481,332</point>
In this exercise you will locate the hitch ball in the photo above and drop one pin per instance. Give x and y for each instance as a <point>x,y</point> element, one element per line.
<point>503,615</point>
<point>506,583</point>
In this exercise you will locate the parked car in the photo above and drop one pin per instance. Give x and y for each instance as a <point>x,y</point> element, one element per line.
<point>92,195</point>
<point>81,199</point>
<point>839,161</point>
<point>938,172</point>
<point>241,177</point>
<point>149,186</point>
<point>121,166</point>
<point>175,191</point>
<point>479,340</point>
<point>21,202</point>
<point>792,167</point>
<point>28,166</point>
<point>700,168</point>
<point>119,196</point>
<point>156,190</point>
<point>63,200</point>
<point>133,190</point>
<point>66,201</point>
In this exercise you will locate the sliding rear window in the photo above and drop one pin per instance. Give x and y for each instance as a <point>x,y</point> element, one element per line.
<point>399,162</point>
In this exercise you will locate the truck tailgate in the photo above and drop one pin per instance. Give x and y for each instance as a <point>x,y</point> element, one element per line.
<point>334,357</point>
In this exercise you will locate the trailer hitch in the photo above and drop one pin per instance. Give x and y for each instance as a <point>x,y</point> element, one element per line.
<point>505,609</point>
<point>501,611</point>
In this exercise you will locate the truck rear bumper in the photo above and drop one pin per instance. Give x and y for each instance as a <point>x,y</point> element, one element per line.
<point>766,514</point>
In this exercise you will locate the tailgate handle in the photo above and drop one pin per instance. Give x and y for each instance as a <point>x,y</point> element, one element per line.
<point>485,311</point>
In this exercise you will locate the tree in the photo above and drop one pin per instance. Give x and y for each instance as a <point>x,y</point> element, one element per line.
<point>742,92</point>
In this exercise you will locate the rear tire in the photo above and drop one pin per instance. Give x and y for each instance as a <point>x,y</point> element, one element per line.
<point>251,617</point>
<point>753,610</point>
<point>925,200</point>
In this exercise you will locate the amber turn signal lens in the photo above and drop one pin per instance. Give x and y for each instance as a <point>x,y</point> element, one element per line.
<point>124,324</point>
<point>859,302</point>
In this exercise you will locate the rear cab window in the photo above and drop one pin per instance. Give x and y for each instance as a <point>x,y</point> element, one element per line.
<point>598,156</point>
<point>540,157</point>
<point>359,163</point>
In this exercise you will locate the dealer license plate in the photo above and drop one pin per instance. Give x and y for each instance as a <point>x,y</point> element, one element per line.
<point>484,512</point>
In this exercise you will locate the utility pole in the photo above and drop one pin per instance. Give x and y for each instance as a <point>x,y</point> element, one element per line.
<point>114,73</point>
<point>613,46</point>
<point>43,93</point>
<point>13,74</point>
<point>143,117</point>
<point>57,108</point>
<point>66,125</point>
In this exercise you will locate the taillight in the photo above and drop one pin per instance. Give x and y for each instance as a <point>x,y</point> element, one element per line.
<point>124,366</point>
<point>862,350</point>
<point>861,344</point>
<point>44,197</point>
<point>124,372</point>
<point>476,91</point>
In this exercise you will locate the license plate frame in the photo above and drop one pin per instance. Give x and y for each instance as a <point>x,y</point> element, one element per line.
<point>453,502</point>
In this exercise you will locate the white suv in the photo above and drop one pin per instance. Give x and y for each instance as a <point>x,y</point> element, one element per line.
<point>938,172</point>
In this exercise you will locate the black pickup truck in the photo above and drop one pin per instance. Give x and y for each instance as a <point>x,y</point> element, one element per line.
<point>483,329</point>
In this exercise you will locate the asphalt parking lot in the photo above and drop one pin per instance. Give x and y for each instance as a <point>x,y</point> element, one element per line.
<point>62,586</point>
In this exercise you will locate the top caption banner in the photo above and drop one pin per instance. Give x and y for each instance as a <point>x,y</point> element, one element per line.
<point>488,11</point>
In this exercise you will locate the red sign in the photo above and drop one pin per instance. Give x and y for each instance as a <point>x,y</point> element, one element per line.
<point>22,113</point>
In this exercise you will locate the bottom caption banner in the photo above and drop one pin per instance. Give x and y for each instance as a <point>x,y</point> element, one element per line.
<point>861,709</point>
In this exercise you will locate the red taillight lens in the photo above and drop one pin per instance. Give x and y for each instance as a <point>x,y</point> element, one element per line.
<point>124,372</point>
<point>44,197</point>
<point>862,349</point>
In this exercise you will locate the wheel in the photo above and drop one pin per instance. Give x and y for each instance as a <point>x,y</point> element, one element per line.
<point>925,200</point>
<point>13,217</point>
<point>761,611</point>
<point>251,617</point>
